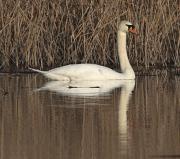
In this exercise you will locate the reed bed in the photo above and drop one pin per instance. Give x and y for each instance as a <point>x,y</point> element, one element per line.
<point>45,34</point>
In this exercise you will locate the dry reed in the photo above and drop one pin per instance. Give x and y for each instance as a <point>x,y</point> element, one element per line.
<point>46,34</point>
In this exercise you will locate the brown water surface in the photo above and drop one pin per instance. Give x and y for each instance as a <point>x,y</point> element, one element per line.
<point>127,123</point>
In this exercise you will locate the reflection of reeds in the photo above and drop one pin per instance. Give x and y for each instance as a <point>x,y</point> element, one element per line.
<point>54,33</point>
<point>43,125</point>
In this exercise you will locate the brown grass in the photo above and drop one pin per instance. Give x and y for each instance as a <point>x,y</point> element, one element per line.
<point>47,34</point>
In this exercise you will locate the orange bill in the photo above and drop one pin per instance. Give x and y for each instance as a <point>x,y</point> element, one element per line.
<point>133,30</point>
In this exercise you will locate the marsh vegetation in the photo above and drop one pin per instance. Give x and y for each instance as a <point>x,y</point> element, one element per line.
<point>45,34</point>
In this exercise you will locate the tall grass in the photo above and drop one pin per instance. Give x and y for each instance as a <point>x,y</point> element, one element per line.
<point>46,34</point>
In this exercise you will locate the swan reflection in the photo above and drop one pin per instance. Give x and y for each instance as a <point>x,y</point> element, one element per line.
<point>97,90</point>
<point>123,102</point>
<point>87,88</point>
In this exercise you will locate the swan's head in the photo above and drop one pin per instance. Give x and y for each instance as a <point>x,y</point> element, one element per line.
<point>126,26</point>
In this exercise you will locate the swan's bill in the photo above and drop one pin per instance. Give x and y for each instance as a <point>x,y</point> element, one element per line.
<point>133,30</point>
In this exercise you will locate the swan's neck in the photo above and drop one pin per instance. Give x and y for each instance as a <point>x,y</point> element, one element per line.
<point>124,61</point>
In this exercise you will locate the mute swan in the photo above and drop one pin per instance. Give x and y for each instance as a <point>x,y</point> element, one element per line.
<point>80,72</point>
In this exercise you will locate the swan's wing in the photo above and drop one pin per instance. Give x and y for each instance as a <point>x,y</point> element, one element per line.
<point>86,71</point>
<point>81,72</point>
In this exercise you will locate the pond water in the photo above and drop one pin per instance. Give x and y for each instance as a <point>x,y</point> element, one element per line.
<point>48,120</point>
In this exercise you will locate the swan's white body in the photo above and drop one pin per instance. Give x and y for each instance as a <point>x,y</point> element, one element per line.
<point>79,72</point>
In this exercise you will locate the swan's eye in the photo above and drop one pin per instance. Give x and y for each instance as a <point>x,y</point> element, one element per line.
<point>130,26</point>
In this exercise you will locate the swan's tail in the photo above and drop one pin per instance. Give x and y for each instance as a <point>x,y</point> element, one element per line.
<point>52,76</point>
<point>39,71</point>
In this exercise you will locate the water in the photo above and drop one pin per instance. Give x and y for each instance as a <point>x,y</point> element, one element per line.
<point>56,122</point>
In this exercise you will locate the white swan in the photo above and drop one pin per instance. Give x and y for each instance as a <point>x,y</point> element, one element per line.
<point>79,72</point>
